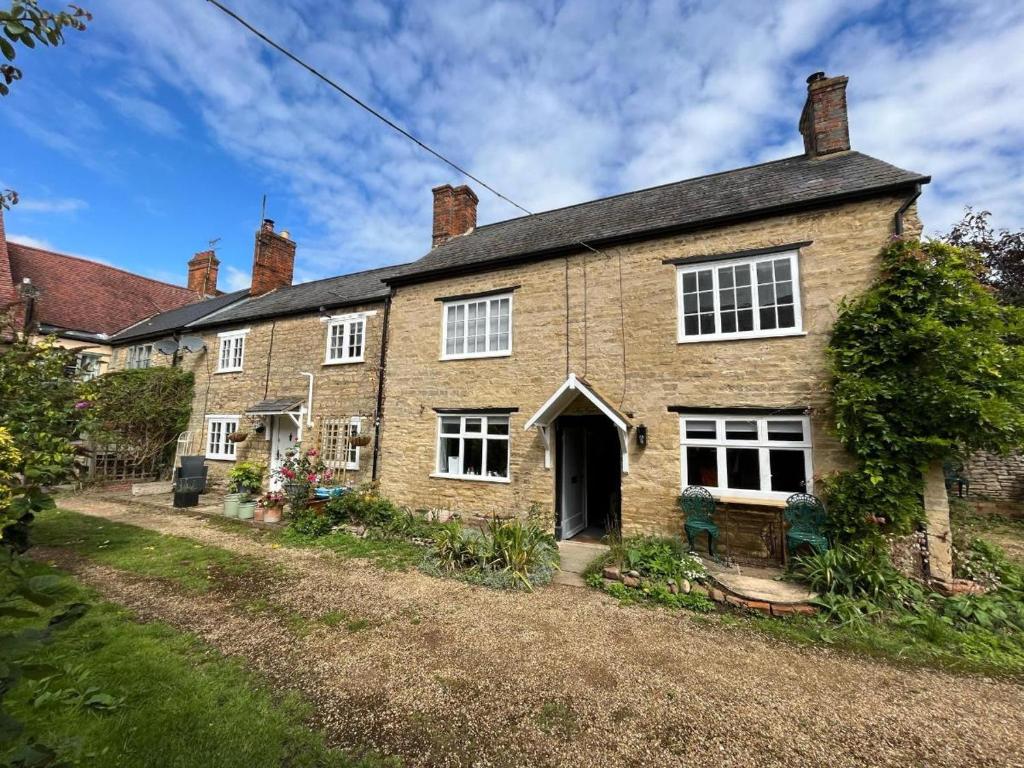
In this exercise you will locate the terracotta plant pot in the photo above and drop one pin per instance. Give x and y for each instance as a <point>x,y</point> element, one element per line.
<point>258,513</point>
<point>273,514</point>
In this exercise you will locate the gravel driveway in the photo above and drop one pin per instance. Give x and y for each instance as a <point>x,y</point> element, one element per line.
<point>445,674</point>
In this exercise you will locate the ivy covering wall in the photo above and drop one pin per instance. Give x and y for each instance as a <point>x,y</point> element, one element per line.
<point>926,365</point>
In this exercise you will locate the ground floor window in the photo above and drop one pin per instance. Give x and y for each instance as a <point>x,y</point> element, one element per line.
<point>217,430</point>
<point>742,455</point>
<point>473,447</point>
<point>336,442</point>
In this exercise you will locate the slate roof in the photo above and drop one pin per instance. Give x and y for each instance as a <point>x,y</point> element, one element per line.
<point>88,297</point>
<point>167,323</point>
<point>346,290</point>
<point>277,405</point>
<point>757,190</point>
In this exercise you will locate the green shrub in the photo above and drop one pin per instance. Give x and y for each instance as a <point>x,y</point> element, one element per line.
<point>363,506</point>
<point>859,570</point>
<point>310,522</point>
<point>508,554</point>
<point>661,558</point>
<point>245,477</point>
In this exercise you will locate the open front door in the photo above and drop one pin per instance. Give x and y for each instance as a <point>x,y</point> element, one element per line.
<point>574,480</point>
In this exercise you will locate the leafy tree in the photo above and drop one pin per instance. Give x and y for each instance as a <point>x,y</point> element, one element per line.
<point>1003,253</point>
<point>926,365</point>
<point>27,24</point>
<point>142,410</point>
<point>38,424</point>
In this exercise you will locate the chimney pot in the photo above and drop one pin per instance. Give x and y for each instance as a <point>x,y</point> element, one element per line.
<point>268,225</point>
<point>202,273</point>
<point>824,123</point>
<point>454,212</point>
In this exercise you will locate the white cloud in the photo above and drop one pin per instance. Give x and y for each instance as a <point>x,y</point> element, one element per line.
<point>233,279</point>
<point>557,102</point>
<point>147,113</point>
<point>51,205</point>
<point>46,245</point>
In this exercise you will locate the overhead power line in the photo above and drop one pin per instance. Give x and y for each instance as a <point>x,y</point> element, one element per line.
<point>362,104</point>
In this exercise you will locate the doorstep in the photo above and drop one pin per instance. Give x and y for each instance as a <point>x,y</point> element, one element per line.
<point>758,584</point>
<point>575,556</point>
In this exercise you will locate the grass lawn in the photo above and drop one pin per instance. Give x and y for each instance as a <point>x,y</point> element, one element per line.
<point>187,563</point>
<point>177,702</point>
<point>389,554</point>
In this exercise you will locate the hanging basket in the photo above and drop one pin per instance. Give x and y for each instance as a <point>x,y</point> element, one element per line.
<point>237,437</point>
<point>359,441</point>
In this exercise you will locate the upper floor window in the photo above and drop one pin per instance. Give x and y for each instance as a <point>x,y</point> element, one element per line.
<point>346,339</point>
<point>741,298</point>
<point>477,327</point>
<point>217,430</point>
<point>139,356</point>
<point>741,455</point>
<point>232,350</point>
<point>473,447</point>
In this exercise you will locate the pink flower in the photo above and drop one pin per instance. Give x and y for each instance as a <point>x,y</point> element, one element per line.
<point>311,477</point>
<point>82,404</point>
<point>312,452</point>
<point>288,473</point>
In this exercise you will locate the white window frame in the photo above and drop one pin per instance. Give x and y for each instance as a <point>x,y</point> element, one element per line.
<point>486,300</point>
<point>763,444</point>
<point>349,427</point>
<point>757,333</point>
<point>483,434</point>
<point>232,342</point>
<point>347,324</point>
<point>87,365</point>
<point>139,356</point>
<point>224,449</point>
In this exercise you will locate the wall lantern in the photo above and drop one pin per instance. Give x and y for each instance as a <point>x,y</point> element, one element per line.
<point>641,436</point>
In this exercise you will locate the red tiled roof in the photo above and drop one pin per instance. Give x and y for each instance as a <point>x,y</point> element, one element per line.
<point>81,295</point>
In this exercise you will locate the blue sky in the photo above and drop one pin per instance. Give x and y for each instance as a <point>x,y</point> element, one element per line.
<point>163,125</point>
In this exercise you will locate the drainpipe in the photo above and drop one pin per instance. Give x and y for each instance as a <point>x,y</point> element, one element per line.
<point>378,417</point>
<point>898,219</point>
<point>309,399</point>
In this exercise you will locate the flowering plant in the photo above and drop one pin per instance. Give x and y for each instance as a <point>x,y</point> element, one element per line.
<point>302,471</point>
<point>273,499</point>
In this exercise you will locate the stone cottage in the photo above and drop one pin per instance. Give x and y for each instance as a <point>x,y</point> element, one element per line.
<point>588,363</point>
<point>281,364</point>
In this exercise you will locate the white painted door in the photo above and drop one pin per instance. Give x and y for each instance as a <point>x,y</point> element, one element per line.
<point>284,434</point>
<point>574,481</point>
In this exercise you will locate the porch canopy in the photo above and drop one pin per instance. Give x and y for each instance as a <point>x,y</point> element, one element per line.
<point>574,387</point>
<point>280,406</point>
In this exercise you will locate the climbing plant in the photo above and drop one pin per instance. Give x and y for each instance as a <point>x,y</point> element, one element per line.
<point>926,365</point>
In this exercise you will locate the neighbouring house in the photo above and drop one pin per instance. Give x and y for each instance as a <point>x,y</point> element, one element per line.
<point>281,364</point>
<point>589,362</point>
<point>83,303</point>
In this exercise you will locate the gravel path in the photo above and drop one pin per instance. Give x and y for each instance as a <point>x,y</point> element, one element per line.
<point>445,674</point>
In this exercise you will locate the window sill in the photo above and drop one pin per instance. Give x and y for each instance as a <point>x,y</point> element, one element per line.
<point>471,478</point>
<point>737,337</point>
<point>444,358</point>
<point>345,362</point>
<point>227,370</point>
<point>758,501</point>
<point>221,458</point>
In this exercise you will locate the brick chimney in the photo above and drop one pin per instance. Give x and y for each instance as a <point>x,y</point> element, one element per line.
<point>824,123</point>
<point>273,261</point>
<point>202,273</point>
<point>454,212</point>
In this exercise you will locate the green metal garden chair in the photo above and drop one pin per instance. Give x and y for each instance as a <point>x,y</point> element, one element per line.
<point>698,507</point>
<point>805,515</point>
